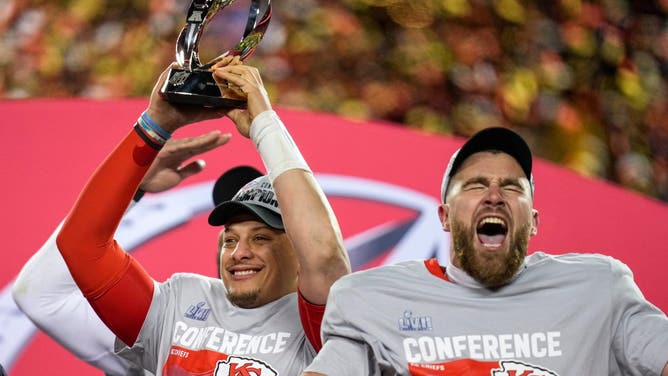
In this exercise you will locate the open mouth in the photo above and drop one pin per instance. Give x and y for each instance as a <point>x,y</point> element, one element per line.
<point>241,273</point>
<point>492,231</point>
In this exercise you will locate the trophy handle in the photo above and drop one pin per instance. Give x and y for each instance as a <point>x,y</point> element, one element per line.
<point>199,15</point>
<point>256,27</point>
<point>259,16</point>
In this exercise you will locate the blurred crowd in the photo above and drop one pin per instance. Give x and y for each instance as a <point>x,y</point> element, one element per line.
<point>583,81</point>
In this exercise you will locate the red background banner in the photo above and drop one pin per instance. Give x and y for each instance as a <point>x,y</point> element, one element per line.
<point>50,147</point>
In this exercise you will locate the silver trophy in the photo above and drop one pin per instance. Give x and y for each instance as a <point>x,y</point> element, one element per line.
<point>192,82</point>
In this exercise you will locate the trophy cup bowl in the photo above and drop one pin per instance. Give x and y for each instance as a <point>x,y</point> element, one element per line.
<point>192,82</point>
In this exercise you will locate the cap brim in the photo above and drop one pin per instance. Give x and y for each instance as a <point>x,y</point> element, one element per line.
<point>223,213</point>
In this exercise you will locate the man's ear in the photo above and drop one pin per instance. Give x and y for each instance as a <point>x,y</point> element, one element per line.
<point>534,222</point>
<point>443,214</point>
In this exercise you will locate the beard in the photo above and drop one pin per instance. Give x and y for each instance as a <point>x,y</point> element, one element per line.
<point>245,299</point>
<point>492,270</point>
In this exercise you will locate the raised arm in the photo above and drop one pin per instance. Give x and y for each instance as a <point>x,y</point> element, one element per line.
<point>106,275</point>
<point>45,291</point>
<point>308,218</point>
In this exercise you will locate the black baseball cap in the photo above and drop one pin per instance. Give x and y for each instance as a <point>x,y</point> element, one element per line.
<point>257,197</point>
<point>229,183</point>
<point>493,138</point>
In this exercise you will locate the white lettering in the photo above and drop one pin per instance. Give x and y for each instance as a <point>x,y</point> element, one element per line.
<point>228,342</point>
<point>281,342</point>
<point>178,328</point>
<point>444,348</point>
<point>485,346</point>
<point>537,343</point>
<point>214,340</point>
<point>202,336</point>
<point>474,347</point>
<point>522,345</point>
<point>179,353</point>
<point>491,346</point>
<point>265,347</point>
<point>459,344</point>
<point>254,344</point>
<point>242,346</point>
<point>553,343</point>
<point>189,337</point>
<point>409,345</point>
<point>505,346</point>
<point>427,348</point>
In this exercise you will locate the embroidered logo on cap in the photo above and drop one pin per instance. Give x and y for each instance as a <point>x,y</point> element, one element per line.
<point>259,192</point>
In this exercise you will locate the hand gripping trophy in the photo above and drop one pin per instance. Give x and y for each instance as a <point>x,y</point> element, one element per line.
<point>191,82</point>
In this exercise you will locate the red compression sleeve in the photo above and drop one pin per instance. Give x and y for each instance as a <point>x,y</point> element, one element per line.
<point>116,286</point>
<point>311,317</point>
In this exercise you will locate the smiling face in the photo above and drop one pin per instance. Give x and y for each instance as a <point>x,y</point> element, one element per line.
<point>257,263</point>
<point>489,213</point>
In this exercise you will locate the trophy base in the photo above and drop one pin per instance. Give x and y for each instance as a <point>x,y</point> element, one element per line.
<point>196,88</point>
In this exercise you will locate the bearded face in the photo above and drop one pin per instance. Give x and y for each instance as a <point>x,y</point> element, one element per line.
<point>257,263</point>
<point>490,269</point>
<point>490,217</point>
<point>244,298</point>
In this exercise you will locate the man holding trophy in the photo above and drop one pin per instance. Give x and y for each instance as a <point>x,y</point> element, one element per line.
<point>280,245</point>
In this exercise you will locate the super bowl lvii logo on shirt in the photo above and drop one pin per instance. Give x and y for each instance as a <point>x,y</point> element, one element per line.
<point>198,312</point>
<point>413,323</point>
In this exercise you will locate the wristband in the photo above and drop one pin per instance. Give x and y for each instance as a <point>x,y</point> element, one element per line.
<point>157,145</point>
<point>151,132</point>
<point>275,145</point>
<point>155,126</point>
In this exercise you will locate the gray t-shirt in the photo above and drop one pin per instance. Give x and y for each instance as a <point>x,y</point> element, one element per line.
<point>192,329</point>
<point>562,315</point>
